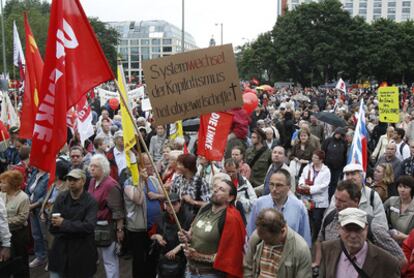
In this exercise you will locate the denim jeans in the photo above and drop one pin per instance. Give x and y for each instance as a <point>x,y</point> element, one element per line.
<point>40,244</point>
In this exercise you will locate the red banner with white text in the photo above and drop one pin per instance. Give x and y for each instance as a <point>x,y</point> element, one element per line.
<point>212,135</point>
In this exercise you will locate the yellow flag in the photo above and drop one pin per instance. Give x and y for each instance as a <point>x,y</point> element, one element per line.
<point>128,130</point>
<point>176,130</point>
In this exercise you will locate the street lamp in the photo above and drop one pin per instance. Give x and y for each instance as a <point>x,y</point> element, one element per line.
<point>221,28</point>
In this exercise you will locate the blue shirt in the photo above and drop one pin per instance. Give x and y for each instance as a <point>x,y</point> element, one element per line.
<point>153,206</point>
<point>294,212</point>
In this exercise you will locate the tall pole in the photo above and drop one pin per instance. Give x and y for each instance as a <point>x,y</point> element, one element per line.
<point>182,27</point>
<point>221,26</point>
<point>3,39</point>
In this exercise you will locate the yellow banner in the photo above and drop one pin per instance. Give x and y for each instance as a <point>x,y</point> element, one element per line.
<point>388,105</point>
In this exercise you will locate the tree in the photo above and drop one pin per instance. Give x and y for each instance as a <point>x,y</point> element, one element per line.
<point>38,14</point>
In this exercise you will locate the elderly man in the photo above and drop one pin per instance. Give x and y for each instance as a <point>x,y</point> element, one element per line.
<point>73,224</point>
<point>157,143</point>
<point>275,250</point>
<point>370,201</point>
<point>285,201</point>
<point>391,158</point>
<point>117,159</point>
<point>348,195</point>
<point>352,256</point>
<point>106,134</point>
<point>110,216</point>
<point>214,244</point>
<point>258,157</point>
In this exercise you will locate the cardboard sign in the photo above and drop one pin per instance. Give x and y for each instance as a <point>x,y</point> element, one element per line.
<point>192,83</point>
<point>146,105</point>
<point>388,105</point>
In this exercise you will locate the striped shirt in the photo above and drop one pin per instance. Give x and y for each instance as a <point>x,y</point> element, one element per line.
<point>269,260</point>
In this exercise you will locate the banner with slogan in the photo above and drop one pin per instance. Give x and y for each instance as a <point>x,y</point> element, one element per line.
<point>212,135</point>
<point>136,94</point>
<point>192,83</point>
<point>388,105</point>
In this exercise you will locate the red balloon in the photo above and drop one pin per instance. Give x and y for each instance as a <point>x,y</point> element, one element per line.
<point>114,103</point>
<point>250,102</point>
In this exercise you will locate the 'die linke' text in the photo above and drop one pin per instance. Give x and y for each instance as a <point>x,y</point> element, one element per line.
<point>211,130</point>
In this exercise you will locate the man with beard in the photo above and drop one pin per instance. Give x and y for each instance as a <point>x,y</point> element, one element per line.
<point>214,244</point>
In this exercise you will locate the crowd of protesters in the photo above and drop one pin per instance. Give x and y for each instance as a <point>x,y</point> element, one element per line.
<point>283,202</point>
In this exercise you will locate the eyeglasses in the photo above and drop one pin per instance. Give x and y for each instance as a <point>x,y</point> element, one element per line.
<point>75,156</point>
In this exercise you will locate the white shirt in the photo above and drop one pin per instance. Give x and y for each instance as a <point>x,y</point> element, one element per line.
<point>120,160</point>
<point>405,151</point>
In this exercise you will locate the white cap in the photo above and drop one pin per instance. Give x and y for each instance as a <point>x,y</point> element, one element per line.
<point>352,216</point>
<point>353,167</point>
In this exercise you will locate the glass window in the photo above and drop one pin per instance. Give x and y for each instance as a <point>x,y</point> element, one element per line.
<point>349,5</point>
<point>124,42</point>
<point>123,52</point>
<point>391,4</point>
<point>406,4</point>
<point>363,5</point>
<point>376,16</point>
<point>133,42</point>
<point>144,42</point>
<point>156,56</point>
<point>377,4</point>
<point>391,16</point>
<point>145,57</point>
<point>362,12</point>
<point>167,49</point>
<point>145,50</point>
<point>391,10</point>
<point>405,17</point>
<point>134,50</point>
<point>377,11</point>
<point>135,65</point>
<point>156,49</point>
<point>406,10</point>
<point>155,41</point>
<point>167,41</point>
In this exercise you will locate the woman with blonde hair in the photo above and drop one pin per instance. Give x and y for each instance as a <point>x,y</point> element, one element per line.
<point>382,144</point>
<point>302,151</point>
<point>383,181</point>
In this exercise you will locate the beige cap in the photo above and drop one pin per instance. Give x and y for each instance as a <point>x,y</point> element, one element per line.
<point>77,174</point>
<point>353,216</point>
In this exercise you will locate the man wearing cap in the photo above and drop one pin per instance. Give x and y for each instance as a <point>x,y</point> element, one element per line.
<point>335,149</point>
<point>258,157</point>
<point>352,256</point>
<point>370,201</point>
<point>73,253</point>
<point>347,195</point>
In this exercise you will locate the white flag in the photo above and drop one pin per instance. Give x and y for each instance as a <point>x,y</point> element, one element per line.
<point>8,114</point>
<point>18,56</point>
<point>341,85</point>
<point>84,120</point>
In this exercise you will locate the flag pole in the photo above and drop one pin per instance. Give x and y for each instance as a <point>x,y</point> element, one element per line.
<point>149,156</point>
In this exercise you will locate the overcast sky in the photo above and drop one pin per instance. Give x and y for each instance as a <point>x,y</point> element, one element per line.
<point>243,20</point>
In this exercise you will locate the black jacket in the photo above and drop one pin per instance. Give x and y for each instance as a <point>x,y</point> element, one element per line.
<point>73,252</point>
<point>335,152</point>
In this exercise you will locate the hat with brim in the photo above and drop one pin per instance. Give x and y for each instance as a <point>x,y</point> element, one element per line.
<point>76,174</point>
<point>352,216</point>
<point>353,167</point>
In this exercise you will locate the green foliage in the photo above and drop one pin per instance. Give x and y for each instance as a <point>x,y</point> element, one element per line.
<point>320,42</point>
<point>38,14</point>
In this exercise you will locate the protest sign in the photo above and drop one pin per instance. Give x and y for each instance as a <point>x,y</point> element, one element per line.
<point>192,83</point>
<point>146,104</point>
<point>389,109</point>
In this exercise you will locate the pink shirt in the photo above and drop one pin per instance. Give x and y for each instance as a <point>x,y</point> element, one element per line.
<point>345,269</point>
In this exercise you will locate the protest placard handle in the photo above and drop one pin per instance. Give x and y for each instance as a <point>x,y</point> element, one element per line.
<point>141,139</point>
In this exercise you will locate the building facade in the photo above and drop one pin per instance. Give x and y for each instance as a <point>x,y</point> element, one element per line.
<point>370,10</point>
<point>143,40</point>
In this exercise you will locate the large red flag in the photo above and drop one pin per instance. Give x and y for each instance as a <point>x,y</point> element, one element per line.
<point>74,64</point>
<point>32,79</point>
<point>212,135</point>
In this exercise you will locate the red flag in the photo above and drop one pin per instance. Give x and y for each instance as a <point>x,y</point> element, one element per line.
<point>74,64</point>
<point>212,135</point>
<point>32,79</point>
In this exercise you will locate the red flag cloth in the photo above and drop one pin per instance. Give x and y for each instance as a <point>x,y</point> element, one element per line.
<point>74,64</point>
<point>212,135</point>
<point>229,258</point>
<point>32,80</point>
<point>4,133</point>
